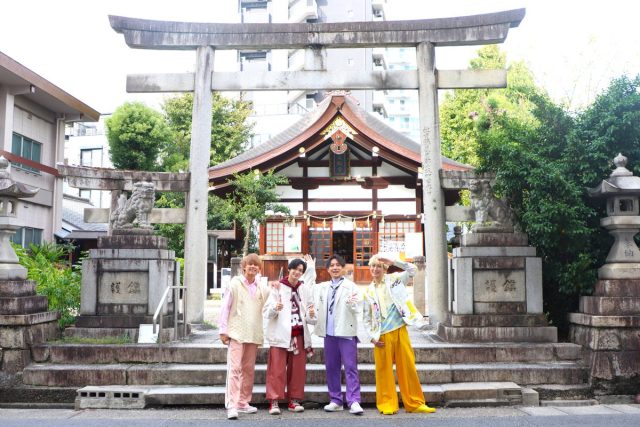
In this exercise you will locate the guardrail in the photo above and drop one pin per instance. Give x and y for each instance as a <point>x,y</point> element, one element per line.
<point>177,322</point>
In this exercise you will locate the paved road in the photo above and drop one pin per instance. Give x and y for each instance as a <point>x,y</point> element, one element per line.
<point>608,415</point>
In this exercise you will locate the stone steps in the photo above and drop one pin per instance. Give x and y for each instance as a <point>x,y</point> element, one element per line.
<point>460,394</point>
<point>528,334</point>
<point>208,353</point>
<point>50,374</point>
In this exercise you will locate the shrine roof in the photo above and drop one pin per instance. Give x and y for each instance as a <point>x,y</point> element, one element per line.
<point>283,148</point>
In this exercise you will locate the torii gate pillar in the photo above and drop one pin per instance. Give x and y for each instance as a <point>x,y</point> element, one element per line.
<point>195,240</point>
<point>432,193</point>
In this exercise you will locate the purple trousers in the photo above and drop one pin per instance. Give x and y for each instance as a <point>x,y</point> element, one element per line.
<point>337,352</point>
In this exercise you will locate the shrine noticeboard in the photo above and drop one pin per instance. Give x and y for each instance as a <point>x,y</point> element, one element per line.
<point>408,248</point>
<point>413,245</point>
<point>292,239</point>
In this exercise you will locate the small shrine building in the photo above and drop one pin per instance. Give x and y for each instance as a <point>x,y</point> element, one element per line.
<point>354,189</point>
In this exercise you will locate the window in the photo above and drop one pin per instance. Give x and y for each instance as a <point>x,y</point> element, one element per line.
<point>27,148</point>
<point>255,11</point>
<point>254,61</point>
<point>320,242</point>
<point>364,242</point>
<point>391,235</point>
<point>85,193</point>
<point>91,157</point>
<point>275,237</point>
<point>26,235</point>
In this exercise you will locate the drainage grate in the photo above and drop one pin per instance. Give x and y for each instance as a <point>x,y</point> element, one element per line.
<point>110,397</point>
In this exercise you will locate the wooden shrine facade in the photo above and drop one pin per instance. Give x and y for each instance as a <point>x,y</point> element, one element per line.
<point>354,188</point>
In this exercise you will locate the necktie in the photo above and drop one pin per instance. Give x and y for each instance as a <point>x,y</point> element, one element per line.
<point>332,300</point>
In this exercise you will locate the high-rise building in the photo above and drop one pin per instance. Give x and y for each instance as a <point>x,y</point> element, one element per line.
<point>401,106</point>
<point>273,111</point>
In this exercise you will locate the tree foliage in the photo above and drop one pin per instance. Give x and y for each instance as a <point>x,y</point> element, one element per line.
<point>137,135</point>
<point>254,197</point>
<point>544,158</point>
<point>230,130</point>
<point>218,218</point>
<point>55,279</point>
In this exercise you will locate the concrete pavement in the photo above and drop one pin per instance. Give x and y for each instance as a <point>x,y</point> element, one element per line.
<point>583,416</point>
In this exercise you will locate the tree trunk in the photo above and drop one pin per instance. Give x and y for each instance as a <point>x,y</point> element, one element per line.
<point>247,236</point>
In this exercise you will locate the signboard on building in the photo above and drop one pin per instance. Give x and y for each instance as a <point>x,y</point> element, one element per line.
<point>292,239</point>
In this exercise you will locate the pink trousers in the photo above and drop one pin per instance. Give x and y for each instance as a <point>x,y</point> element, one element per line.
<point>241,365</point>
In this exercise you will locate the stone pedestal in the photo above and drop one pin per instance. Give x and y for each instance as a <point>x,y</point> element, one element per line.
<point>123,282</point>
<point>608,327</point>
<point>495,291</point>
<point>24,321</point>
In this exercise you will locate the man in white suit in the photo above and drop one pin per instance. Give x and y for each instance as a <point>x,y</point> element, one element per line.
<point>337,304</point>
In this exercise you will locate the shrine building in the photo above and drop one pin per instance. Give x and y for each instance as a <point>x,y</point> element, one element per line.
<point>354,189</point>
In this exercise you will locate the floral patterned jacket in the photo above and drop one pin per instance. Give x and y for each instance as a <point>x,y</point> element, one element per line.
<point>394,285</point>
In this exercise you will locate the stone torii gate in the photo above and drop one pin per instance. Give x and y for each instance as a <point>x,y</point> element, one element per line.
<point>425,35</point>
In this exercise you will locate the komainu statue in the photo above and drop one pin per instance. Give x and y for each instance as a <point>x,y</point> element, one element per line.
<point>492,214</point>
<point>134,211</point>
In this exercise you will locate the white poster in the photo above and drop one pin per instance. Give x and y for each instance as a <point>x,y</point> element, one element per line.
<point>292,239</point>
<point>413,245</point>
<point>391,249</point>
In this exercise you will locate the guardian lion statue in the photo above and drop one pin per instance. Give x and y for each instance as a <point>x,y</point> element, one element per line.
<point>135,211</point>
<point>491,214</point>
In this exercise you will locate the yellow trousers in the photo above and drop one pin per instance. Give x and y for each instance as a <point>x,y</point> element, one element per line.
<point>397,349</point>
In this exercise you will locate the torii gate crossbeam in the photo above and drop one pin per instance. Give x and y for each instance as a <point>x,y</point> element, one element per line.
<point>425,35</point>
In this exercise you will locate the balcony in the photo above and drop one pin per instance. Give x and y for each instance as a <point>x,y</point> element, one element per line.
<point>296,60</point>
<point>378,9</point>
<point>379,103</point>
<point>302,10</point>
<point>379,58</point>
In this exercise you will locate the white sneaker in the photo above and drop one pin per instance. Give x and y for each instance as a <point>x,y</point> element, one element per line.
<point>333,407</point>
<point>232,414</point>
<point>274,409</point>
<point>356,409</point>
<point>247,409</point>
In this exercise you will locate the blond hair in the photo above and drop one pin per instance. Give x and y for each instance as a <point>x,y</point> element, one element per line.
<point>376,260</point>
<point>251,259</point>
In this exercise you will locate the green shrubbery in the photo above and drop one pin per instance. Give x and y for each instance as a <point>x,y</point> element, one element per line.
<point>56,279</point>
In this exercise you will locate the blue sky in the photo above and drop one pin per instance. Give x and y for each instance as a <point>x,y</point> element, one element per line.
<point>574,47</point>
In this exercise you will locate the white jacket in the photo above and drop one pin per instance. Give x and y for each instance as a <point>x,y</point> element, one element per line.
<point>278,329</point>
<point>345,315</point>
<point>394,286</point>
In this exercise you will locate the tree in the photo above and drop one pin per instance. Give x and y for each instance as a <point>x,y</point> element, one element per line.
<point>218,218</point>
<point>137,135</point>
<point>229,129</point>
<point>461,109</point>
<point>253,198</point>
<point>229,135</point>
<point>611,125</point>
<point>522,135</point>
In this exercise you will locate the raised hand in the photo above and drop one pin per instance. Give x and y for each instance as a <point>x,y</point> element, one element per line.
<point>353,298</point>
<point>311,309</point>
<point>279,304</point>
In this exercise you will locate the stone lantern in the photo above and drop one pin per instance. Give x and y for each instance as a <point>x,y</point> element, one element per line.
<point>608,323</point>
<point>24,316</point>
<point>10,192</point>
<point>622,191</point>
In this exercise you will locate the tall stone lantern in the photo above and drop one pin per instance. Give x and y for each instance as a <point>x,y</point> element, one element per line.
<point>24,316</point>
<point>622,192</point>
<point>10,192</point>
<point>608,323</point>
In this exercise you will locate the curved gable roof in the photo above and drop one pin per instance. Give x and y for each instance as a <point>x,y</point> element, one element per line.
<point>288,141</point>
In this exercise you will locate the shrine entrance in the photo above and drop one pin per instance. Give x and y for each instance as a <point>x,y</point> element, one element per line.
<point>424,35</point>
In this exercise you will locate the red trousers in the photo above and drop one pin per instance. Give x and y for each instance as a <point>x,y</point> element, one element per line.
<point>285,369</point>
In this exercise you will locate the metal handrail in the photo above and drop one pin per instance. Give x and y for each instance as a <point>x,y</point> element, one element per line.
<point>176,302</point>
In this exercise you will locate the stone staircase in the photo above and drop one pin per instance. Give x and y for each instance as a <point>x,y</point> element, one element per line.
<point>184,373</point>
